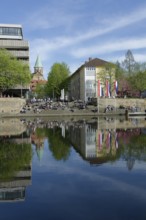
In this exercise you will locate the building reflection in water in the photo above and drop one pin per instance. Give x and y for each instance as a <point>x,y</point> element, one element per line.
<point>99,145</point>
<point>15,160</point>
<point>97,141</point>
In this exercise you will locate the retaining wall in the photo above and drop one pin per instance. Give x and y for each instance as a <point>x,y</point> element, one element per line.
<point>11,105</point>
<point>126,102</point>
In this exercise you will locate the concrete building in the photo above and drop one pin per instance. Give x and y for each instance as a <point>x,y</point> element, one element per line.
<point>89,80</point>
<point>11,38</point>
<point>15,189</point>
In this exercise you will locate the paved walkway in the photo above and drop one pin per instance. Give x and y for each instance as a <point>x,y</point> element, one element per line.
<point>64,113</point>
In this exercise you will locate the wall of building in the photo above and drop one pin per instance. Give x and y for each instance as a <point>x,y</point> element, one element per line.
<point>81,87</point>
<point>19,48</point>
<point>75,87</point>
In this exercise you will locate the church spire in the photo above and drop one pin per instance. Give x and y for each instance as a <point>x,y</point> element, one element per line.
<point>38,68</point>
<point>38,63</point>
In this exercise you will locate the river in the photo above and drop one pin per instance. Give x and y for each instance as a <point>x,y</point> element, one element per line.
<point>77,168</point>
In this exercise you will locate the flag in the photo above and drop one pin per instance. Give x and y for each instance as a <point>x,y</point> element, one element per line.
<point>99,88</point>
<point>102,92</point>
<point>100,139</point>
<point>116,141</point>
<point>108,140</point>
<point>107,88</point>
<point>116,87</point>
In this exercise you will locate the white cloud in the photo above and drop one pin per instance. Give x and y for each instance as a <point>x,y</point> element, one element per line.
<point>53,15</point>
<point>140,57</point>
<point>109,47</point>
<point>64,41</point>
<point>49,17</point>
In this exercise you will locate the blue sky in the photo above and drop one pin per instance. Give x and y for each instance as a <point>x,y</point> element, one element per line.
<point>71,31</point>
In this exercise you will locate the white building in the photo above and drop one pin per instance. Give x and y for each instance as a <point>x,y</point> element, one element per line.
<point>84,82</point>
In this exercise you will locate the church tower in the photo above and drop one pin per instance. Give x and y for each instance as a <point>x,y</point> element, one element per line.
<point>37,76</point>
<point>38,68</point>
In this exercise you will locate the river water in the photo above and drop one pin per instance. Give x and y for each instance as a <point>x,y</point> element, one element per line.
<point>71,169</point>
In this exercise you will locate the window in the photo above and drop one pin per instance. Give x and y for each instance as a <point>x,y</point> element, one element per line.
<point>12,31</point>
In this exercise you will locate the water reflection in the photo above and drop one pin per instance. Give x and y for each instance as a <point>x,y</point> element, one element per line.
<point>98,141</point>
<point>15,160</point>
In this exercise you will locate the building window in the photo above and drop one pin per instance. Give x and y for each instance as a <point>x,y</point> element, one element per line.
<point>10,31</point>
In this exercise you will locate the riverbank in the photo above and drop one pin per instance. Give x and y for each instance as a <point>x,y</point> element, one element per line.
<point>92,112</point>
<point>11,107</point>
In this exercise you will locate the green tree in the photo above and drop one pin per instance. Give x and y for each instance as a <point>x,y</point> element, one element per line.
<point>119,72</point>
<point>12,71</point>
<point>108,73</point>
<point>59,146</point>
<point>57,79</point>
<point>138,81</point>
<point>40,90</point>
<point>13,157</point>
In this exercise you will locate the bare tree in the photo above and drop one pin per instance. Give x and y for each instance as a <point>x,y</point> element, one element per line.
<point>129,62</point>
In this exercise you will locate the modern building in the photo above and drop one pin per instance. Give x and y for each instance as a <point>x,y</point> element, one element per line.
<point>92,80</point>
<point>17,173</point>
<point>15,189</point>
<point>11,38</point>
<point>37,76</point>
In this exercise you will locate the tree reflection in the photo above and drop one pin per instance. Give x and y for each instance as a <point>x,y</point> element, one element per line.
<point>59,146</point>
<point>13,157</point>
<point>134,149</point>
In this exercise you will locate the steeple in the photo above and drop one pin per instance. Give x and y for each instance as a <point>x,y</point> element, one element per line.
<point>38,63</point>
<point>38,68</point>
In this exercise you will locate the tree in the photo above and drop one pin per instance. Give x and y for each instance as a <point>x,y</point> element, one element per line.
<point>58,145</point>
<point>138,81</point>
<point>13,157</point>
<point>129,62</point>
<point>12,71</point>
<point>108,74</point>
<point>119,72</point>
<point>57,79</point>
<point>40,90</point>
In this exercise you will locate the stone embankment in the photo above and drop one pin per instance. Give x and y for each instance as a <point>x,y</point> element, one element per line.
<point>12,106</point>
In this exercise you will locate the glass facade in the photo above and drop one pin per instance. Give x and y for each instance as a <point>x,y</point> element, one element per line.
<point>11,31</point>
<point>90,88</point>
<point>16,194</point>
